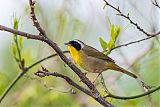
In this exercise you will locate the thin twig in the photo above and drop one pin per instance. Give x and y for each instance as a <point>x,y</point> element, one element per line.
<point>135,24</point>
<point>134,97</point>
<point>11,86</point>
<point>44,72</point>
<point>130,20</point>
<point>24,34</point>
<point>104,85</point>
<point>44,84</point>
<point>34,19</point>
<point>137,41</point>
<point>154,2</point>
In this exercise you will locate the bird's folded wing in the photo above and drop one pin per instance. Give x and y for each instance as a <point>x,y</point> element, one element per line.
<point>97,54</point>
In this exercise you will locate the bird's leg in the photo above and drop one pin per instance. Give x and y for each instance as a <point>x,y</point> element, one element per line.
<point>96,77</point>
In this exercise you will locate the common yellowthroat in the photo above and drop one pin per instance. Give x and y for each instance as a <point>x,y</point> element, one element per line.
<point>92,60</point>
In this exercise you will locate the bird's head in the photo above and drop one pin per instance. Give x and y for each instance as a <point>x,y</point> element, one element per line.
<point>77,44</point>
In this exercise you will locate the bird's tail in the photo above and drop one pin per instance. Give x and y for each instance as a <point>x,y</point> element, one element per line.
<point>120,69</point>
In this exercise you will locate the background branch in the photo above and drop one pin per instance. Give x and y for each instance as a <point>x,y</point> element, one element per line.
<point>128,18</point>
<point>20,75</point>
<point>133,97</point>
<point>137,41</point>
<point>154,2</point>
<point>45,73</point>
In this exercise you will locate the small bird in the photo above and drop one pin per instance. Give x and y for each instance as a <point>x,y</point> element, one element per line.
<point>92,60</point>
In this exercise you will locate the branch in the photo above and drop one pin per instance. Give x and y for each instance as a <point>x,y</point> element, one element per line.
<point>34,19</point>
<point>129,19</point>
<point>155,3</point>
<point>11,85</point>
<point>133,97</point>
<point>24,34</point>
<point>137,41</point>
<point>45,73</point>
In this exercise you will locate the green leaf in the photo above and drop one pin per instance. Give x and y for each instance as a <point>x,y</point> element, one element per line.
<point>14,49</point>
<point>21,42</point>
<point>112,32</point>
<point>15,37</point>
<point>103,43</point>
<point>15,25</point>
<point>111,44</point>
<point>116,32</point>
<point>107,52</point>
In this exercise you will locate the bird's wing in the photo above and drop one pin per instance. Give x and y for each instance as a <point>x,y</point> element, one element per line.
<point>95,53</point>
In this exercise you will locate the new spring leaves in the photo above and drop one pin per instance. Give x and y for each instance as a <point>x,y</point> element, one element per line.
<point>114,33</point>
<point>18,42</point>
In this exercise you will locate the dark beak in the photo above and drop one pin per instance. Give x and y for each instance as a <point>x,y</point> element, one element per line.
<point>67,44</point>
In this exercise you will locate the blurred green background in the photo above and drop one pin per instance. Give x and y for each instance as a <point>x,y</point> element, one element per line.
<point>86,20</point>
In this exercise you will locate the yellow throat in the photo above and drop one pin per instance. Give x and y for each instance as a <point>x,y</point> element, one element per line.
<point>75,54</point>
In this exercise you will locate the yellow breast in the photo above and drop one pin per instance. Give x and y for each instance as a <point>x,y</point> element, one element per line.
<point>76,55</point>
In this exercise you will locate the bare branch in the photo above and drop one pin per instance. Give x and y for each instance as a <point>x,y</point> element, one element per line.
<point>129,19</point>
<point>34,19</point>
<point>24,34</point>
<point>45,73</point>
<point>154,2</point>
<point>133,97</point>
<point>11,85</point>
<point>137,41</point>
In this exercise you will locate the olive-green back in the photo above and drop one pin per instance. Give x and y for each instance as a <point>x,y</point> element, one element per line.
<point>90,51</point>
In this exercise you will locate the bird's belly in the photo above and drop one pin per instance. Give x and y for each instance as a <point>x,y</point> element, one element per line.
<point>94,65</point>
